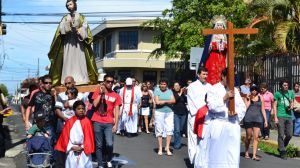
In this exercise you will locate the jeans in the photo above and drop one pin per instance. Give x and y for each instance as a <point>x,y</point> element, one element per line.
<point>102,131</point>
<point>297,124</point>
<point>179,121</point>
<point>266,131</point>
<point>52,139</point>
<point>285,132</point>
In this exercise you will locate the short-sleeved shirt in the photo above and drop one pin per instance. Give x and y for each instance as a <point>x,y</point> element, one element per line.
<point>35,129</point>
<point>283,101</point>
<point>112,100</point>
<point>44,102</point>
<point>166,95</point>
<point>268,99</point>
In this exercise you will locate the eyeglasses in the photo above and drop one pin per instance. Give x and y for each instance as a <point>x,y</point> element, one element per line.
<point>68,83</point>
<point>111,82</point>
<point>50,83</point>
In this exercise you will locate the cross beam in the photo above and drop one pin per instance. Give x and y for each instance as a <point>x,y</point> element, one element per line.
<point>230,31</point>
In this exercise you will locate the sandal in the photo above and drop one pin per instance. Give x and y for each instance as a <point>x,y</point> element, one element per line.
<point>159,153</point>
<point>169,153</point>
<point>247,156</point>
<point>256,158</point>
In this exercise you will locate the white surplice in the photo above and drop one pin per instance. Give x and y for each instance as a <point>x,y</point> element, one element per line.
<point>74,159</point>
<point>220,146</point>
<point>196,99</point>
<point>129,123</point>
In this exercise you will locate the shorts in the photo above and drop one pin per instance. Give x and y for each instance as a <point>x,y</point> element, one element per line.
<point>252,124</point>
<point>145,111</point>
<point>164,123</point>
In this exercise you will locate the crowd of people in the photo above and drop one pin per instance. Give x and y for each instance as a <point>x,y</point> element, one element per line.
<point>82,125</point>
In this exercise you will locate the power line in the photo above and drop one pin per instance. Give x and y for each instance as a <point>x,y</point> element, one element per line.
<point>84,13</point>
<point>56,22</point>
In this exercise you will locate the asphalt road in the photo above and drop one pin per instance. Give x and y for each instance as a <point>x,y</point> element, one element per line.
<point>140,152</point>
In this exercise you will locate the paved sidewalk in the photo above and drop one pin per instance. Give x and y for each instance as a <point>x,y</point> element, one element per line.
<point>273,139</point>
<point>294,140</point>
<point>14,140</point>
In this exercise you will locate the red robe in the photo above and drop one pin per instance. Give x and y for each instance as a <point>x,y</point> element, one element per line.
<point>87,128</point>
<point>215,64</point>
<point>199,121</point>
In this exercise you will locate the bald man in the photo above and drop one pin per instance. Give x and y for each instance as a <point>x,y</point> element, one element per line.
<point>62,103</point>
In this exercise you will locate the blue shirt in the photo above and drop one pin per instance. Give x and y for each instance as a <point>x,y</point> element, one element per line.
<point>166,95</point>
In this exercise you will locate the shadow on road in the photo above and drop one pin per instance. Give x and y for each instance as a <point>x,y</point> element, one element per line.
<point>187,163</point>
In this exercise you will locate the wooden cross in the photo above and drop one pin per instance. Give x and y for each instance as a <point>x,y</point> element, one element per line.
<point>230,31</point>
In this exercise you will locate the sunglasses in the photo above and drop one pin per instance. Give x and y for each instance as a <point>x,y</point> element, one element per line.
<point>68,83</point>
<point>47,83</point>
<point>109,81</point>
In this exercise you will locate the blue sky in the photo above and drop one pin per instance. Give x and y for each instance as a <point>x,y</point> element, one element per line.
<point>24,44</point>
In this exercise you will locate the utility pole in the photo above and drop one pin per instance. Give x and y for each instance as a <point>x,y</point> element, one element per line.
<point>28,73</point>
<point>2,26</point>
<point>38,68</point>
<point>1,11</point>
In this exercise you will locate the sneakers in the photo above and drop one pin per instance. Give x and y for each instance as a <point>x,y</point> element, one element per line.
<point>140,130</point>
<point>109,164</point>
<point>283,155</point>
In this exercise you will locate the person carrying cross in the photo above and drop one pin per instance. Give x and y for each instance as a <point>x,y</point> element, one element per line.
<point>219,146</point>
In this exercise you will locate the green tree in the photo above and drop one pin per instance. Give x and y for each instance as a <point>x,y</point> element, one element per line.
<point>282,17</point>
<point>3,89</point>
<point>182,24</point>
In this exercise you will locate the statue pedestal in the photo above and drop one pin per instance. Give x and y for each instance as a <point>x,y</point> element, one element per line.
<point>82,88</point>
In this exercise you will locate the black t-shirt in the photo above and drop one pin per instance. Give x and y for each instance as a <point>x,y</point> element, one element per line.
<point>43,102</point>
<point>180,106</point>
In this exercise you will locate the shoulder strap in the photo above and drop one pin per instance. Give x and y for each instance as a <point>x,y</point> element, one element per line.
<point>285,95</point>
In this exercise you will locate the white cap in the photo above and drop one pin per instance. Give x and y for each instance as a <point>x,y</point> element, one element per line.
<point>128,81</point>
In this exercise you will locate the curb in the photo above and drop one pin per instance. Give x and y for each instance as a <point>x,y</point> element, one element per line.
<point>269,142</point>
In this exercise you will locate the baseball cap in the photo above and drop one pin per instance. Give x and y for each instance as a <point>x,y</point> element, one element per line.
<point>128,81</point>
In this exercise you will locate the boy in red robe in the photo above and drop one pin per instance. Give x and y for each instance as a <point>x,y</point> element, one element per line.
<point>77,139</point>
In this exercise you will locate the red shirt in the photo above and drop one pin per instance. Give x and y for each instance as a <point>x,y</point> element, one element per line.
<point>112,100</point>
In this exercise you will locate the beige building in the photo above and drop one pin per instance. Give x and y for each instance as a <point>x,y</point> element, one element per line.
<point>123,47</point>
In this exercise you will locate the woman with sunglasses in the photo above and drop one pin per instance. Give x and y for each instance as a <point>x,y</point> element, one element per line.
<point>254,118</point>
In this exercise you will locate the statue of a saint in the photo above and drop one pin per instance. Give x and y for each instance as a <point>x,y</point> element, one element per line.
<point>71,53</point>
<point>214,56</point>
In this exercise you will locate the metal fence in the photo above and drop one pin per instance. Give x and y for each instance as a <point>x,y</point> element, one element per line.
<point>270,69</point>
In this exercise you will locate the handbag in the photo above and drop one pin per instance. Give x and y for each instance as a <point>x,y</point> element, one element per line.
<point>296,106</point>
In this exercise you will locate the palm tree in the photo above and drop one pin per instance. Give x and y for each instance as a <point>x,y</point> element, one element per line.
<point>284,15</point>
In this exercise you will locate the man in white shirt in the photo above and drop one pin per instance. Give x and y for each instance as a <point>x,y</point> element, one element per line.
<point>220,146</point>
<point>196,99</point>
<point>130,96</point>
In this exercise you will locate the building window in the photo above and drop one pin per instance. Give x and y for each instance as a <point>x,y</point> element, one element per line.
<point>128,40</point>
<point>96,48</point>
<point>108,44</point>
<point>149,76</point>
<point>123,74</point>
